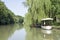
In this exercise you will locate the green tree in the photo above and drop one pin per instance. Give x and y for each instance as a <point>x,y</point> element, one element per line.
<point>55,7</point>
<point>6,16</point>
<point>38,9</point>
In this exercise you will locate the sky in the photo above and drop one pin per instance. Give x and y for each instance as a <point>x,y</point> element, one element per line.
<point>16,6</point>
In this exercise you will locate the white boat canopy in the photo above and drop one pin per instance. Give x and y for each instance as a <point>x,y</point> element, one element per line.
<point>47,19</point>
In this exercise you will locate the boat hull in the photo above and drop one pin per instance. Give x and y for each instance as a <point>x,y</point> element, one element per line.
<point>46,27</point>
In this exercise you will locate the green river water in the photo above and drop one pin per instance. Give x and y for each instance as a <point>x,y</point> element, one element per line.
<point>18,32</point>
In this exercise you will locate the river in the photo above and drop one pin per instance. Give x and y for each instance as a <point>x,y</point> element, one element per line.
<point>18,32</point>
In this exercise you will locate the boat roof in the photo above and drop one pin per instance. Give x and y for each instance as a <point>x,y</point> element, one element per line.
<point>47,19</point>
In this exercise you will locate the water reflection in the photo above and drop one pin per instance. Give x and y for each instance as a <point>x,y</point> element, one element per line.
<point>46,31</point>
<point>16,32</point>
<point>7,30</point>
<point>18,35</point>
<point>40,34</point>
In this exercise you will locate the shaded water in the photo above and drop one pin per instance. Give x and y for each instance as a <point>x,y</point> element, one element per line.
<point>18,32</point>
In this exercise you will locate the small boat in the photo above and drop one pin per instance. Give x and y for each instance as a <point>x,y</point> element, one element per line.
<point>46,23</point>
<point>46,27</point>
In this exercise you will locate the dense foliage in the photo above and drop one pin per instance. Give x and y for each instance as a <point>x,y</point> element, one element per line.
<point>7,16</point>
<point>39,9</point>
<point>19,19</point>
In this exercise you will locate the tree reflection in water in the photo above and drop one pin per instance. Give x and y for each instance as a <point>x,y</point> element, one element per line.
<point>31,34</point>
<point>41,34</point>
<point>7,30</point>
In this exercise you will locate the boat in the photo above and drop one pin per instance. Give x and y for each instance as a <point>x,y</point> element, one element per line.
<point>46,23</point>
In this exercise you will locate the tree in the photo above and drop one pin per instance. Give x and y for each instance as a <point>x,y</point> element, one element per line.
<point>6,15</point>
<point>38,9</point>
<point>55,8</point>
